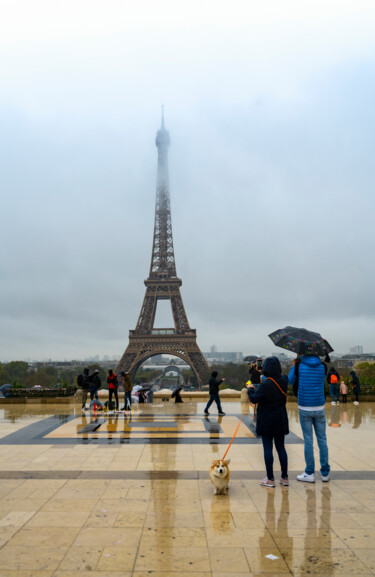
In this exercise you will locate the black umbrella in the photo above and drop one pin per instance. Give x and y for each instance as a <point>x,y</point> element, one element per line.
<point>301,341</point>
<point>176,390</point>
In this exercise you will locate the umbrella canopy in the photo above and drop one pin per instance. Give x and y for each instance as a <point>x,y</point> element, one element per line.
<point>177,390</point>
<point>301,341</point>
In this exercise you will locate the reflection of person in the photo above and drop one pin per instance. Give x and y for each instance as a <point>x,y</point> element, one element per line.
<point>272,418</point>
<point>343,390</point>
<point>112,388</point>
<point>214,384</point>
<point>356,386</point>
<point>335,417</point>
<point>357,419</point>
<point>311,401</point>
<point>128,387</point>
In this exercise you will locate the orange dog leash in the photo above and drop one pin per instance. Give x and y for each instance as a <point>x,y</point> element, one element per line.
<point>225,454</point>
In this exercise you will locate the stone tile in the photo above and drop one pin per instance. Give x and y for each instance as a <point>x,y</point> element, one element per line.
<point>101,519</point>
<point>174,519</point>
<point>24,558</point>
<point>367,556</point>
<point>6,533</point>
<point>81,559</point>
<point>27,573</point>
<point>173,559</point>
<point>108,537</point>
<point>16,518</point>
<point>36,537</point>
<point>130,519</point>
<point>357,538</point>
<point>176,537</point>
<point>117,559</point>
<point>238,537</point>
<point>322,561</point>
<point>59,573</point>
<point>174,574</point>
<point>228,559</point>
<point>58,519</point>
<point>68,505</point>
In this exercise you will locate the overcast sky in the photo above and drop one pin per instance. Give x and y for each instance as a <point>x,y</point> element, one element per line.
<point>270,109</point>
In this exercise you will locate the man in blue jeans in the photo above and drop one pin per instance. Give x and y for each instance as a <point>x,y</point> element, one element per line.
<point>309,373</point>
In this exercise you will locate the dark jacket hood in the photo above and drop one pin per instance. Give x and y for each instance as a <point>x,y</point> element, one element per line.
<point>271,367</point>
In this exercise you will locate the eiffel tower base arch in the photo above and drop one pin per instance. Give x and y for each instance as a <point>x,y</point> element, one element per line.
<point>141,347</point>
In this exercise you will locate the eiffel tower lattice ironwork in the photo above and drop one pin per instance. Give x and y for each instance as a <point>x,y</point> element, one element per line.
<point>163,284</point>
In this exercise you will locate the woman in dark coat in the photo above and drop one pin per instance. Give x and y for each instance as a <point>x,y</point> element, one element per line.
<point>272,418</point>
<point>356,386</point>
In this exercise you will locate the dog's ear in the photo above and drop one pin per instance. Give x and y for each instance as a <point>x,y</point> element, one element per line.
<point>227,462</point>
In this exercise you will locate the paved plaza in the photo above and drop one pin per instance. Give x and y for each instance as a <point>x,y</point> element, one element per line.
<point>129,495</point>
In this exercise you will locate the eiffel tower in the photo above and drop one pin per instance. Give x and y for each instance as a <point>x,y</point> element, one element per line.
<point>163,284</point>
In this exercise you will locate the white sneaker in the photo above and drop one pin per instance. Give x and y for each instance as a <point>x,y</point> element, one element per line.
<point>338,402</point>
<point>307,478</point>
<point>325,478</point>
<point>355,403</point>
<point>333,403</point>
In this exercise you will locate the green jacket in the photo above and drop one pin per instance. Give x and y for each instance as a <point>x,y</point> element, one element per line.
<point>128,385</point>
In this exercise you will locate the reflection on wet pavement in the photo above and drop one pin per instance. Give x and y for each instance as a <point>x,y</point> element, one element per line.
<point>130,494</point>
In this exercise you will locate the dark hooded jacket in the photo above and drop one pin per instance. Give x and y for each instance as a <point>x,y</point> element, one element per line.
<point>355,382</point>
<point>214,383</point>
<point>272,417</point>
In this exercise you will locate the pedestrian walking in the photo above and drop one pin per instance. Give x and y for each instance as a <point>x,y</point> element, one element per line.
<point>309,376</point>
<point>356,386</point>
<point>270,396</point>
<point>112,388</point>
<point>333,379</point>
<point>343,390</point>
<point>128,387</point>
<point>214,384</point>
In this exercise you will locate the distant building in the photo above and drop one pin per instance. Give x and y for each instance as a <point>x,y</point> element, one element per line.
<point>358,350</point>
<point>221,358</point>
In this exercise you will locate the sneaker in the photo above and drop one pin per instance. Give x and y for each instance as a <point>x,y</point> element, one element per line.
<point>325,478</point>
<point>284,482</point>
<point>355,403</point>
<point>333,403</point>
<point>221,414</point>
<point>267,482</point>
<point>338,402</point>
<point>206,413</point>
<point>307,478</point>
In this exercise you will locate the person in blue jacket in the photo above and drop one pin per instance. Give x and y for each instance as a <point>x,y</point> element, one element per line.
<point>272,419</point>
<point>308,375</point>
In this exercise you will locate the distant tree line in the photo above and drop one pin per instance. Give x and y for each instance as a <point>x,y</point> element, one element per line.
<point>19,374</point>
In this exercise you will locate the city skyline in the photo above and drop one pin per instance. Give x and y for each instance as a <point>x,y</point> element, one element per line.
<point>270,113</point>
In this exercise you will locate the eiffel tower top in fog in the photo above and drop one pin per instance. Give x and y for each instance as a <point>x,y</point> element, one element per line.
<point>163,263</point>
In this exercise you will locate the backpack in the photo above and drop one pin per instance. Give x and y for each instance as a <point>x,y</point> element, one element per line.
<point>334,379</point>
<point>296,382</point>
<point>80,380</point>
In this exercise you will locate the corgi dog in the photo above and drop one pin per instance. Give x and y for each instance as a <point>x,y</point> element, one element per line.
<point>219,475</point>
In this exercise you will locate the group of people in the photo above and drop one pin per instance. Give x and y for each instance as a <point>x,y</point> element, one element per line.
<point>90,384</point>
<point>268,390</point>
<point>333,379</point>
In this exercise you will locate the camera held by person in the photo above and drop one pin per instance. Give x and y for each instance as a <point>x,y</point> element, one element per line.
<point>255,371</point>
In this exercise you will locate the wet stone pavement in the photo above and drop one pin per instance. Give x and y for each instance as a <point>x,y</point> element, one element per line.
<point>129,495</point>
